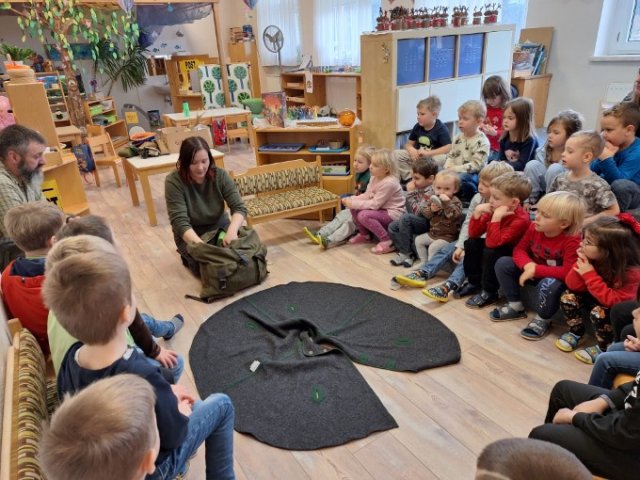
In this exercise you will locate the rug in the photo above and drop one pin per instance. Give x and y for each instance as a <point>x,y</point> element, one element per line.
<point>285,357</point>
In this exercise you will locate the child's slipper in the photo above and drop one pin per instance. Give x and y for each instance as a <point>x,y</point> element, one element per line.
<point>588,355</point>
<point>313,236</point>
<point>383,247</point>
<point>568,342</point>
<point>536,330</point>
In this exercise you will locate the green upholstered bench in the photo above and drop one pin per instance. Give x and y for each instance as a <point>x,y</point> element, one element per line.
<point>284,189</point>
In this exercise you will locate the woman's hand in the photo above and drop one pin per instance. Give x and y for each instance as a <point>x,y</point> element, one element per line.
<point>229,237</point>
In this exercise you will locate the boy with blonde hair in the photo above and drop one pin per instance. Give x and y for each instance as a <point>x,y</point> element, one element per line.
<point>579,152</point>
<point>503,220</point>
<point>428,138</point>
<point>470,149</point>
<point>121,442</point>
<point>144,326</point>
<point>32,226</point>
<point>619,163</point>
<point>99,318</point>
<point>542,257</point>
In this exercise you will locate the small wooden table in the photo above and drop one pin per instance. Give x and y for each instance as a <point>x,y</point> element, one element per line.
<point>145,167</point>
<point>69,134</point>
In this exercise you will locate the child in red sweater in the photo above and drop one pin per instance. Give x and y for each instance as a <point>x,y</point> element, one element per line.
<point>504,221</point>
<point>543,256</point>
<point>495,93</point>
<point>607,272</point>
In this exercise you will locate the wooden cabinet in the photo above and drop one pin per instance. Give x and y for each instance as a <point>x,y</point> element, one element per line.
<point>103,113</point>
<point>247,52</point>
<point>293,85</point>
<point>535,87</point>
<point>310,136</point>
<point>399,68</point>
<point>31,109</point>
<point>56,89</point>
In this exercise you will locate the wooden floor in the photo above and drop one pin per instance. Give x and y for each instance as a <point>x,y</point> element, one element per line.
<point>445,415</point>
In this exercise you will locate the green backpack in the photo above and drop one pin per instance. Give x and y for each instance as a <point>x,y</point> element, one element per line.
<point>227,270</point>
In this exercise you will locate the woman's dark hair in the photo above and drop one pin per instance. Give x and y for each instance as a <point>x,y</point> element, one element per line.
<point>188,149</point>
<point>619,246</point>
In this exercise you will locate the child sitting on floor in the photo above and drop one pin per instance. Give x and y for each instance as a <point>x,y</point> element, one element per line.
<point>503,221</point>
<point>544,256</point>
<point>444,211</point>
<point>454,251</point>
<point>32,227</point>
<point>429,138</point>
<point>518,143</point>
<point>99,318</point>
<point>619,163</point>
<point>121,442</point>
<point>579,151</point>
<point>338,230</point>
<point>381,203</point>
<point>470,148</point>
<point>413,222</point>
<point>495,93</point>
<point>143,326</point>
<point>607,272</point>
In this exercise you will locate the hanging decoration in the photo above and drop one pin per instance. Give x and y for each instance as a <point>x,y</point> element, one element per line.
<point>126,5</point>
<point>250,3</point>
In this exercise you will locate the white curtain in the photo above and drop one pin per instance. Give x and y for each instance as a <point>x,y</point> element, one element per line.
<point>337,28</point>
<point>285,14</point>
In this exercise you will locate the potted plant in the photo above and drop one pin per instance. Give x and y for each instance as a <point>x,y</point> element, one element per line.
<point>129,68</point>
<point>477,16</point>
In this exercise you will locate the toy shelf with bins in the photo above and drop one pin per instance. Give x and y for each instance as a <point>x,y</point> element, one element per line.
<point>106,107</point>
<point>55,86</point>
<point>310,136</point>
<point>399,68</point>
<point>293,85</point>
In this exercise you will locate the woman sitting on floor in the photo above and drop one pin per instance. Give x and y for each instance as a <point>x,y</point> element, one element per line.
<point>196,194</point>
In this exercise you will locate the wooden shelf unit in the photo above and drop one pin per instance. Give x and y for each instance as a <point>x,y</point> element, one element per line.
<point>56,90</point>
<point>31,109</point>
<point>117,129</point>
<point>338,184</point>
<point>293,85</point>
<point>454,69</point>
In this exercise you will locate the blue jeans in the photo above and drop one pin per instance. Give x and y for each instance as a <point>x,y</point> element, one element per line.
<point>468,186</point>
<point>612,362</point>
<point>211,423</point>
<point>628,194</point>
<point>548,290</point>
<point>404,229</point>
<point>441,260</point>
<point>159,328</point>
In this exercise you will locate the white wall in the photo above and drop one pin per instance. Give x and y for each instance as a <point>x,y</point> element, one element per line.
<point>577,82</point>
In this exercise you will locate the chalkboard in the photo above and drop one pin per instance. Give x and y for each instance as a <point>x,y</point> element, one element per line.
<point>411,61</point>
<point>442,52</point>
<point>470,57</point>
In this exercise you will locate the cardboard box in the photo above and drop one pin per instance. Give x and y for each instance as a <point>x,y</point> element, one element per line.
<point>174,136</point>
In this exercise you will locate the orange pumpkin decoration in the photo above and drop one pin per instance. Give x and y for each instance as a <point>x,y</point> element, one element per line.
<point>346,117</point>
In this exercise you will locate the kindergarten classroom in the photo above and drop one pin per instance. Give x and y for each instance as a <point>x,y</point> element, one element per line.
<point>446,415</point>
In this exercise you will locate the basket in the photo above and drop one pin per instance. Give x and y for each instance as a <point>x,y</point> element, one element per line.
<point>21,75</point>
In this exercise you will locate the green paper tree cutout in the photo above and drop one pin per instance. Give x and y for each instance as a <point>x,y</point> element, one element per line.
<point>59,21</point>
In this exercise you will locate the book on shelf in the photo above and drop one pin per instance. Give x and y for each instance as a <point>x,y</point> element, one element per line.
<point>275,108</point>
<point>528,59</point>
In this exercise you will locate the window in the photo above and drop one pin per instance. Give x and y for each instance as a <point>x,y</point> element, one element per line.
<point>284,14</point>
<point>619,30</point>
<point>337,28</point>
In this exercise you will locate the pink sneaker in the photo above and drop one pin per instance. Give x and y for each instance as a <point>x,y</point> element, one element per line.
<point>383,247</point>
<point>359,238</point>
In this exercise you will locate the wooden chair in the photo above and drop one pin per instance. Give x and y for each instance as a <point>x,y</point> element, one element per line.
<point>104,154</point>
<point>235,129</point>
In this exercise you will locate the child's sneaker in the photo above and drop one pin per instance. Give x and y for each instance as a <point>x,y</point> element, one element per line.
<point>415,279</point>
<point>313,236</point>
<point>359,238</point>
<point>178,322</point>
<point>439,293</point>
<point>398,259</point>
<point>588,355</point>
